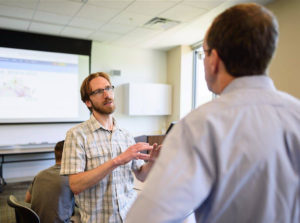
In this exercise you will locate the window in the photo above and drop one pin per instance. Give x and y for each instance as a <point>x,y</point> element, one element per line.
<point>201,94</point>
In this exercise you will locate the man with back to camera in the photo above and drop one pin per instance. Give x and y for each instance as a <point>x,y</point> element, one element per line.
<point>49,193</point>
<point>235,159</point>
<point>99,157</point>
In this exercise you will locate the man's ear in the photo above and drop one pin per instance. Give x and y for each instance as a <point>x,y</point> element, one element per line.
<point>214,61</point>
<point>88,103</point>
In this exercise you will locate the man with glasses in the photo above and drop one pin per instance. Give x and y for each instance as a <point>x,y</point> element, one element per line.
<point>99,157</point>
<point>235,159</point>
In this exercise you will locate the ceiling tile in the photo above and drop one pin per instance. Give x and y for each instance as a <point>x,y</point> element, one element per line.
<point>104,36</point>
<point>204,4</point>
<point>136,36</point>
<point>30,4</point>
<point>113,4</point>
<point>142,33</point>
<point>86,23</point>
<point>76,32</point>
<point>96,13</point>
<point>117,28</point>
<point>113,21</point>
<point>16,12</point>
<point>14,24</point>
<point>183,13</point>
<point>152,8</point>
<point>131,19</point>
<point>45,28</point>
<point>160,0</point>
<point>62,7</point>
<point>51,18</point>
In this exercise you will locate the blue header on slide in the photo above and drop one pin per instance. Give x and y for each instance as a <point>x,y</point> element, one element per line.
<point>37,65</point>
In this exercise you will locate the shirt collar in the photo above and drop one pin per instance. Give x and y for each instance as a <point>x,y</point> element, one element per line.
<point>256,81</point>
<point>95,124</point>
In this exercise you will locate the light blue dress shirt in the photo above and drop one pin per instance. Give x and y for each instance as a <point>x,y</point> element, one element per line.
<point>233,160</point>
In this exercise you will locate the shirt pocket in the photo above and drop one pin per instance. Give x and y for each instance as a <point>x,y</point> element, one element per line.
<point>128,166</point>
<point>122,147</point>
<point>96,156</point>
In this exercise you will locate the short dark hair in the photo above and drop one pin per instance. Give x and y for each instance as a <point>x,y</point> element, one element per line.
<point>58,150</point>
<point>245,37</point>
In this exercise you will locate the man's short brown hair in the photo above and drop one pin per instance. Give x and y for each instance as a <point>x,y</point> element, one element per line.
<point>85,89</point>
<point>245,37</point>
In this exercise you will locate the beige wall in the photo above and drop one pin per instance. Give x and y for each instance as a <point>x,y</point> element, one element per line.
<point>186,80</point>
<point>173,78</point>
<point>284,69</point>
<point>179,75</point>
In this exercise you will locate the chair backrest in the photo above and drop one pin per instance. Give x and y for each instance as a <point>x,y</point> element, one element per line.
<point>23,213</point>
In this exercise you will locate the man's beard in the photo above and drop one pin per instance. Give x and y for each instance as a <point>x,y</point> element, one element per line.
<point>103,109</point>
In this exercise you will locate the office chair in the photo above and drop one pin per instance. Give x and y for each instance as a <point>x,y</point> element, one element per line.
<point>23,213</point>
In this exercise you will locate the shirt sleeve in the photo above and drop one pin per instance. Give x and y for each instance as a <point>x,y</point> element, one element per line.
<point>178,182</point>
<point>74,156</point>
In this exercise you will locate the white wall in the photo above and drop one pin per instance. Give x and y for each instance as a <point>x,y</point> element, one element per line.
<point>137,66</point>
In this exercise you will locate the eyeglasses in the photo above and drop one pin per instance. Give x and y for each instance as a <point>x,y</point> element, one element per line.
<point>100,91</point>
<point>201,53</point>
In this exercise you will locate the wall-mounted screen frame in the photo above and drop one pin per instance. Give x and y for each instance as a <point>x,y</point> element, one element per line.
<point>40,78</point>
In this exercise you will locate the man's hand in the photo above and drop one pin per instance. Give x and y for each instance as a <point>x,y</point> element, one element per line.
<point>87,179</point>
<point>134,152</point>
<point>143,172</point>
<point>154,153</point>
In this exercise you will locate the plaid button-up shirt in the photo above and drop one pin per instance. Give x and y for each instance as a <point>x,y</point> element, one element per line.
<point>87,146</point>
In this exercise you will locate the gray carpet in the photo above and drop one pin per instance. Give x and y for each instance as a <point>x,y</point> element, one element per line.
<point>7,214</point>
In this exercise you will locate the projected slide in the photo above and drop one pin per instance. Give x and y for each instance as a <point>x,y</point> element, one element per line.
<point>38,85</point>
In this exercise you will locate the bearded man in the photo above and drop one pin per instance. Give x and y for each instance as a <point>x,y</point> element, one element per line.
<point>100,157</point>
